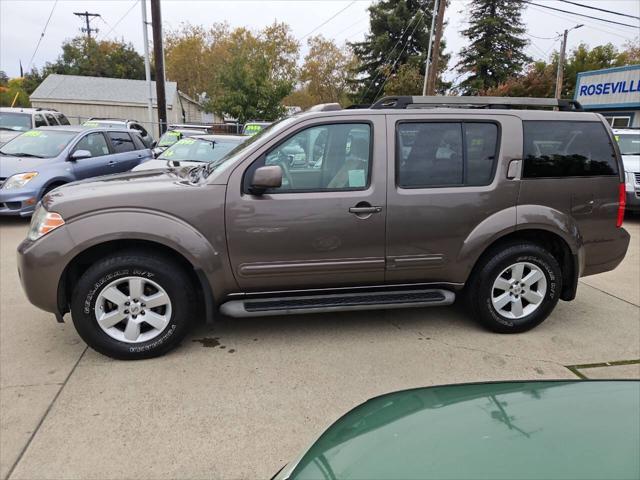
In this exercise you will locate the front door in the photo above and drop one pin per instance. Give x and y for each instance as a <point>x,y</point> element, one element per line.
<point>98,163</point>
<point>324,227</point>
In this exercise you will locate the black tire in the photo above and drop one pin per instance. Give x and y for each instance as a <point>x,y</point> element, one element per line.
<point>169,275</point>
<point>480,288</point>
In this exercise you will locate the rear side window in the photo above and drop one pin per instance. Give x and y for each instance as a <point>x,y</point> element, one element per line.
<point>448,154</point>
<point>51,119</point>
<point>121,142</point>
<point>39,120</point>
<point>62,120</point>
<point>137,141</point>
<point>567,149</point>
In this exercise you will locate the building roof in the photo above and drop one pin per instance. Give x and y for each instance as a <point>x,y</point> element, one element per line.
<point>80,89</point>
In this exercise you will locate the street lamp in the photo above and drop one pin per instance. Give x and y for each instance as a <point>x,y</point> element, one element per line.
<point>563,49</point>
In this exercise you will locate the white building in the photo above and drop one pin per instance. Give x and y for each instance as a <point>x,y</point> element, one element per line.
<point>613,92</point>
<point>80,98</point>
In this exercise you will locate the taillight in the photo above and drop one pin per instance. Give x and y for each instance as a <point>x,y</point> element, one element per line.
<point>622,203</point>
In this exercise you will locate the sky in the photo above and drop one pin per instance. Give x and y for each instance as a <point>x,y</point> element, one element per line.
<point>23,21</point>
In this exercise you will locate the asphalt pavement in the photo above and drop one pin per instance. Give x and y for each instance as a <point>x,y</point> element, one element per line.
<point>241,398</point>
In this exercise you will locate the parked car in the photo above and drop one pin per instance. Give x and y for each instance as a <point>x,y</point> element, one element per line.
<point>509,430</point>
<point>193,151</point>
<point>96,122</point>
<point>378,225</point>
<point>172,135</point>
<point>629,143</point>
<point>14,121</point>
<point>38,161</point>
<point>251,128</point>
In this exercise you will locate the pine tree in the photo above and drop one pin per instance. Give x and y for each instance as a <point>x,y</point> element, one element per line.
<point>496,48</point>
<point>399,35</point>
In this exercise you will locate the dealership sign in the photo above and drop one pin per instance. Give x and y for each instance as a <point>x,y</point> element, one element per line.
<point>609,88</point>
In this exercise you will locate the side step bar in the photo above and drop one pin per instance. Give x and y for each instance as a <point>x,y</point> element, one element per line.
<point>262,307</point>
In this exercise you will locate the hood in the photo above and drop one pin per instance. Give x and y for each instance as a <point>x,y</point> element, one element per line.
<point>631,163</point>
<point>149,189</point>
<point>12,165</point>
<point>162,164</point>
<point>6,135</point>
<point>502,429</point>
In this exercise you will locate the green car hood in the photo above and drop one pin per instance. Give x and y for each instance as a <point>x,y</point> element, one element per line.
<point>513,430</point>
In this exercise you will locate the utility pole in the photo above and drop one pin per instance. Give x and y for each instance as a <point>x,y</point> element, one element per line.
<point>433,71</point>
<point>428,60</point>
<point>87,18</point>
<point>563,52</point>
<point>147,63</point>
<point>158,54</point>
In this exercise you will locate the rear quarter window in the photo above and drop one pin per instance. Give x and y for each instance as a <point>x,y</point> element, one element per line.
<point>567,149</point>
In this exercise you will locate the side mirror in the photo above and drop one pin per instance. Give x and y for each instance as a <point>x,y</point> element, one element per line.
<point>265,178</point>
<point>154,144</point>
<point>79,155</point>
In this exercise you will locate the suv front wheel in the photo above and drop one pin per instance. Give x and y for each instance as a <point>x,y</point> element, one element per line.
<point>515,288</point>
<point>133,305</point>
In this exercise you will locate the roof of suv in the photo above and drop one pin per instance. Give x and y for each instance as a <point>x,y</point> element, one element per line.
<point>27,110</point>
<point>80,128</point>
<point>632,131</point>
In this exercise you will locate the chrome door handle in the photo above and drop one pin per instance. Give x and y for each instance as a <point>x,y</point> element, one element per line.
<point>364,210</point>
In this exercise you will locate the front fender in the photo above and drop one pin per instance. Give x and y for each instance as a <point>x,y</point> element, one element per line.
<point>93,229</point>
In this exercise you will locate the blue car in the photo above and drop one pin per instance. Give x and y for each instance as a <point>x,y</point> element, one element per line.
<point>36,162</point>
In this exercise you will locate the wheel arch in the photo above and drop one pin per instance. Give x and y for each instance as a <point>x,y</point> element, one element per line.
<point>553,242</point>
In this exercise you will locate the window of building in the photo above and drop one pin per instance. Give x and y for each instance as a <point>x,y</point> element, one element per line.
<point>618,121</point>
<point>567,149</point>
<point>432,154</point>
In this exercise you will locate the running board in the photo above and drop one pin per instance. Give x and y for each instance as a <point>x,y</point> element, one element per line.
<point>262,307</point>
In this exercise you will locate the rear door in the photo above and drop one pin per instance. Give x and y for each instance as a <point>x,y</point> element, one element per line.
<point>98,164</point>
<point>126,154</point>
<point>324,227</point>
<point>447,177</point>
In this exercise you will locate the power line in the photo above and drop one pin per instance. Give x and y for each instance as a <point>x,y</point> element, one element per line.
<point>41,36</point>
<point>327,21</point>
<point>542,38</point>
<point>406,44</point>
<point>600,9</point>
<point>581,15</point>
<point>121,18</point>
<point>590,25</point>
<point>390,53</point>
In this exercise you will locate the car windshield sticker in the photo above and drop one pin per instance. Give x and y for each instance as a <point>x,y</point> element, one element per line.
<point>253,128</point>
<point>33,133</point>
<point>356,178</point>
<point>90,124</point>
<point>617,138</point>
<point>186,141</point>
<point>168,153</point>
<point>174,133</point>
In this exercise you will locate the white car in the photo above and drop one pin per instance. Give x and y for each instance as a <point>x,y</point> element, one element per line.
<point>629,143</point>
<point>193,151</point>
<point>15,121</point>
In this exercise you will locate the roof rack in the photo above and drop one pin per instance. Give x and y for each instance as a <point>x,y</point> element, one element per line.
<point>403,102</point>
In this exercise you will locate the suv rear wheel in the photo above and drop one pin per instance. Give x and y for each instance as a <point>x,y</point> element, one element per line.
<point>133,305</point>
<point>515,288</point>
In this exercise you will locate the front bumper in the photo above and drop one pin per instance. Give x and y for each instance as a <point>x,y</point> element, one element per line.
<point>41,264</point>
<point>19,202</point>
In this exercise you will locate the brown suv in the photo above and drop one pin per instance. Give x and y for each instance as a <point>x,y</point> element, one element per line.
<point>409,203</point>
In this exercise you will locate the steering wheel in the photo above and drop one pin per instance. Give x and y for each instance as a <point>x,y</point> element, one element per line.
<point>282,161</point>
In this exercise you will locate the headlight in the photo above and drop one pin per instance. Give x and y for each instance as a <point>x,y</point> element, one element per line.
<point>43,222</point>
<point>19,180</point>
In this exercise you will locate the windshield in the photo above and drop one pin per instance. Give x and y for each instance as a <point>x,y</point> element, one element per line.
<point>38,143</point>
<point>19,122</point>
<point>169,138</point>
<point>199,150</point>
<point>629,143</point>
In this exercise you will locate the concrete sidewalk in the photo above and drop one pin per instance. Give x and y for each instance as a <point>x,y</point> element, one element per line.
<point>243,398</point>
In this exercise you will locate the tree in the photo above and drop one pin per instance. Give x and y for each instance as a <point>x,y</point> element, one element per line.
<point>193,55</point>
<point>13,89</point>
<point>539,78</point>
<point>105,58</point>
<point>4,78</point>
<point>399,36</point>
<point>323,76</point>
<point>496,45</point>
<point>258,72</point>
